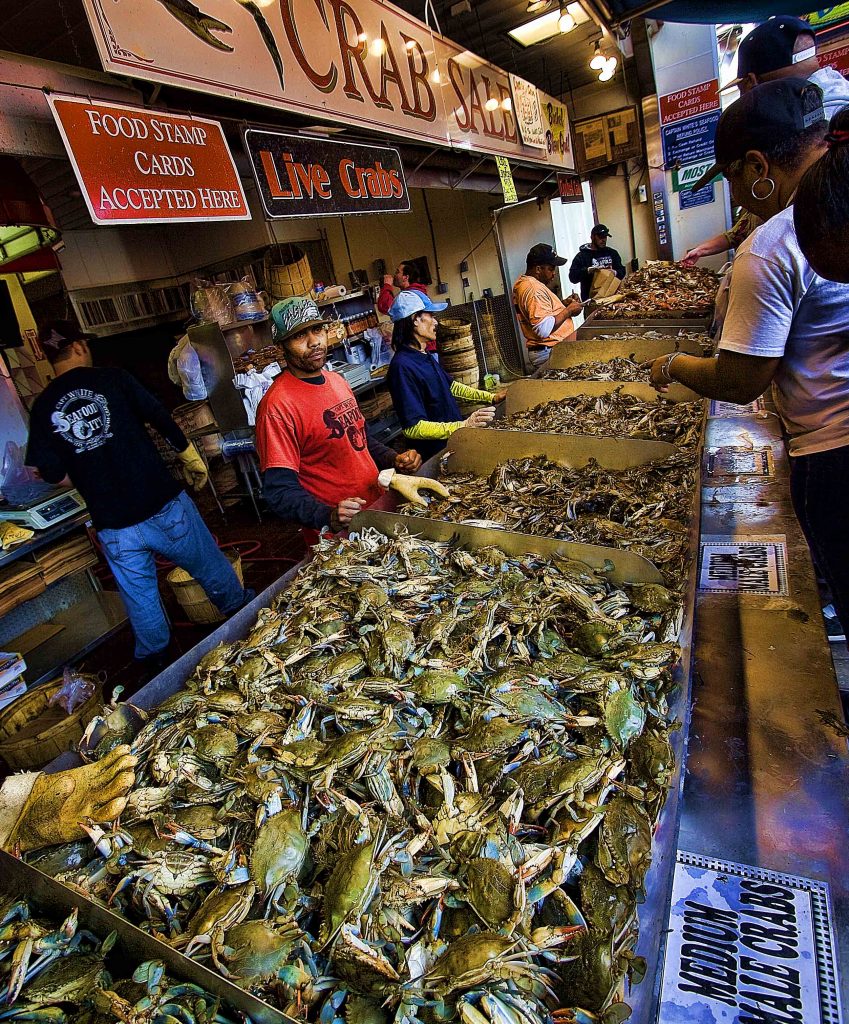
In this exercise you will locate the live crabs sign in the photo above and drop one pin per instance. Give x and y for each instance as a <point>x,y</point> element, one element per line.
<point>359,62</point>
<point>138,166</point>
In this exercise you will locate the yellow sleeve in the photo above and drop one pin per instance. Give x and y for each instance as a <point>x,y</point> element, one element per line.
<point>468,394</point>
<point>431,430</point>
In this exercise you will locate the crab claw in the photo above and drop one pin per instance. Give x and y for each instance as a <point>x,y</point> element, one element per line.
<point>198,23</point>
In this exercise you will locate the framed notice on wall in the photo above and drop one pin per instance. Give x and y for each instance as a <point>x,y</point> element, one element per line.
<point>606,139</point>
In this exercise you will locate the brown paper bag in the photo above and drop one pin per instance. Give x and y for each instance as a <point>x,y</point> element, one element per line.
<point>604,283</point>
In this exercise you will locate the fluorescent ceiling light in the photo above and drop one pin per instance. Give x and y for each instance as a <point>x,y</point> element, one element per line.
<point>545,26</point>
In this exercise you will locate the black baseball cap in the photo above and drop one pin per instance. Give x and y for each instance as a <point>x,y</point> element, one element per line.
<point>601,229</point>
<point>767,114</point>
<point>56,335</point>
<point>542,255</point>
<point>769,47</point>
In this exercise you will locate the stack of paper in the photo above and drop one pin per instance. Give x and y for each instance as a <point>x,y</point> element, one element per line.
<point>12,667</point>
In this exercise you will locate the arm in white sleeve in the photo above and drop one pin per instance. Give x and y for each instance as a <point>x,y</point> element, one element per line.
<point>544,328</point>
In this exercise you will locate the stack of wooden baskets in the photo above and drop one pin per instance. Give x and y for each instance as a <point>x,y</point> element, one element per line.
<point>457,351</point>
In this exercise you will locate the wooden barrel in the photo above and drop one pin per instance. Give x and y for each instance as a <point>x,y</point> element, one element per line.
<point>291,277</point>
<point>33,731</point>
<point>457,350</point>
<point>192,596</point>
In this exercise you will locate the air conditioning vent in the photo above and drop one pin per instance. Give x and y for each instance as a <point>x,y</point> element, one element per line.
<point>103,310</point>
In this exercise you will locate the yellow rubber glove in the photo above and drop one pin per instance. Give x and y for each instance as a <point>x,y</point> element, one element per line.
<point>409,487</point>
<point>10,534</point>
<point>194,471</point>
<point>59,805</point>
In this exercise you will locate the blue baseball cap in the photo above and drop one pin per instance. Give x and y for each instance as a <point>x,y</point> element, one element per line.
<point>412,301</point>
<point>769,47</point>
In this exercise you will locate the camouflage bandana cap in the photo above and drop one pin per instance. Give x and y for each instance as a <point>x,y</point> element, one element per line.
<point>293,315</point>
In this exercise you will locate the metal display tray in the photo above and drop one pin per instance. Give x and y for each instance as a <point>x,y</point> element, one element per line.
<point>132,944</point>
<point>573,353</point>
<point>592,329</point>
<point>527,394</point>
<point>627,567</point>
<point>597,319</point>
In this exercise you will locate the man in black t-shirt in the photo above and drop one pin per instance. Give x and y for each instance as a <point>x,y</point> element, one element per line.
<point>593,256</point>
<point>89,424</point>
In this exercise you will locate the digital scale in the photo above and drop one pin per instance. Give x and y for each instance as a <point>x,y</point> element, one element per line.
<point>354,373</point>
<point>59,504</point>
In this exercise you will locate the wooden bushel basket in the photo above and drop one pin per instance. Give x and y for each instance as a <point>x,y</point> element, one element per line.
<point>33,732</point>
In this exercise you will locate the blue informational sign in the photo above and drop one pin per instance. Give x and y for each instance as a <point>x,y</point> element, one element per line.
<point>688,199</point>
<point>688,142</point>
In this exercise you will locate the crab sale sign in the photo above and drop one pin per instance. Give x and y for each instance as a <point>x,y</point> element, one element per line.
<point>138,166</point>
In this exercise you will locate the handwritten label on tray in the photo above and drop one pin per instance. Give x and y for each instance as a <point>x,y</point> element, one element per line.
<point>718,408</point>
<point>744,565</point>
<point>746,944</point>
<point>734,462</point>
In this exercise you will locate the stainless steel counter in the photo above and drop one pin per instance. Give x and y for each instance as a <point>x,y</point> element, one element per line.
<point>766,778</point>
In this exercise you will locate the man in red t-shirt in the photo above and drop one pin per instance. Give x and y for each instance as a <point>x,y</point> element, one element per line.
<point>319,465</point>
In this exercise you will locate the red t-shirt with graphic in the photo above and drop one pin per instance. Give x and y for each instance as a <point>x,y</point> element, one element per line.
<point>318,431</point>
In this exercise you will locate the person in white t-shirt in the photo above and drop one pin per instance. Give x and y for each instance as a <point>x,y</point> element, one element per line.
<point>785,325</point>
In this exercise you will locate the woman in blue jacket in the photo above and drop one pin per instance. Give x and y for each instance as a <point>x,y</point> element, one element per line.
<point>424,396</point>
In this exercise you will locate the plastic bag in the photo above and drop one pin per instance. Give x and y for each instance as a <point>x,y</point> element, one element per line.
<point>19,484</point>
<point>75,690</point>
<point>189,370</point>
<point>211,303</point>
<point>247,302</point>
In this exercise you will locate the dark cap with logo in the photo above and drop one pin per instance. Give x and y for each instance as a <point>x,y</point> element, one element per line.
<point>542,255</point>
<point>769,113</point>
<point>56,335</point>
<point>601,229</point>
<point>769,47</point>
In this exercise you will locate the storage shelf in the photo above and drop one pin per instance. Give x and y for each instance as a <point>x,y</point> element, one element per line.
<point>43,537</point>
<point>243,323</point>
<point>86,623</point>
<point>340,298</point>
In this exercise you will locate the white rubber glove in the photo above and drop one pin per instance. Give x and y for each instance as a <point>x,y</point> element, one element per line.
<point>410,486</point>
<point>481,417</point>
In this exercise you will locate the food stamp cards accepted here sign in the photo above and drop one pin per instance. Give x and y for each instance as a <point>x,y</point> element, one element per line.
<point>138,166</point>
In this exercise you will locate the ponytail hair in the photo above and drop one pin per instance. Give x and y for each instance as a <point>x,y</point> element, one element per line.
<point>821,206</point>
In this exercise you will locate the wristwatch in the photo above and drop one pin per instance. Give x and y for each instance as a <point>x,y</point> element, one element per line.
<point>664,367</point>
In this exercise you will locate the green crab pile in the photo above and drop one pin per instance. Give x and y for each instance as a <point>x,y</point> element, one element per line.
<point>422,788</point>
<point>54,975</point>
<point>591,505</point>
<point>615,414</point>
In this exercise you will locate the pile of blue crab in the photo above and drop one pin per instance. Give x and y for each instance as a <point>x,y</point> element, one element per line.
<point>56,974</point>
<point>422,788</point>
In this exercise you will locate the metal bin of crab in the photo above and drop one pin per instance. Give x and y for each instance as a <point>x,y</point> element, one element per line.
<point>422,787</point>
<point>617,359</point>
<point>63,959</point>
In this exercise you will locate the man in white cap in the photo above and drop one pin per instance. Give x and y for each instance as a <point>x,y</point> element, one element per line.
<point>320,467</point>
<point>781,47</point>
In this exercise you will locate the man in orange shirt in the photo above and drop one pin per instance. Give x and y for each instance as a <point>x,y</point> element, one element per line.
<point>543,318</point>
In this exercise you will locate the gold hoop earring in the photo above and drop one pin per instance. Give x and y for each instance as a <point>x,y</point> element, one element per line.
<point>761,199</point>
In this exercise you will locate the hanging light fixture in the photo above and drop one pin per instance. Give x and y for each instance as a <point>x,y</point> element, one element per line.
<point>565,23</point>
<point>491,104</point>
<point>27,229</point>
<point>598,60</point>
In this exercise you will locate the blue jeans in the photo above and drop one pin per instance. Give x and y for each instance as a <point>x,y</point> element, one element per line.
<point>179,534</point>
